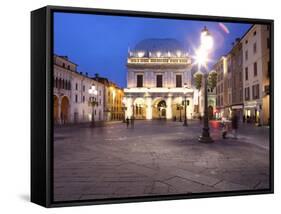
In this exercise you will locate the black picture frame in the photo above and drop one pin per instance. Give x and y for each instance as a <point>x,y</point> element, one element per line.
<point>42,111</point>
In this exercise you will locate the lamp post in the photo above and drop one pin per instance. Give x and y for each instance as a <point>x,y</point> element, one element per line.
<point>93,92</point>
<point>185,103</point>
<point>204,51</point>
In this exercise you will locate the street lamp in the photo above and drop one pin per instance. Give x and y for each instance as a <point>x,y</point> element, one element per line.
<point>185,103</point>
<point>202,59</point>
<point>93,92</point>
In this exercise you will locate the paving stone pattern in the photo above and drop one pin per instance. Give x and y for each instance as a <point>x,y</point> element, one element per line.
<point>156,158</point>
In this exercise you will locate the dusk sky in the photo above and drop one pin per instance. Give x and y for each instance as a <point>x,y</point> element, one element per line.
<point>99,44</point>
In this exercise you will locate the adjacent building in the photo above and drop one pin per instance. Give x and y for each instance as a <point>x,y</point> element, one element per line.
<point>256,69</point>
<point>221,89</point>
<point>235,69</point>
<point>71,95</point>
<point>158,80</point>
<point>114,108</point>
<point>243,77</point>
<point>212,99</point>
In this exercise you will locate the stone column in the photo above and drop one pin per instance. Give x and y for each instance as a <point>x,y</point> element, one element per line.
<point>169,107</point>
<point>191,108</point>
<point>148,102</point>
<point>129,107</point>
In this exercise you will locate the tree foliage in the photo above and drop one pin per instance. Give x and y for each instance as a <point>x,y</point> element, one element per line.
<point>212,80</point>
<point>198,81</point>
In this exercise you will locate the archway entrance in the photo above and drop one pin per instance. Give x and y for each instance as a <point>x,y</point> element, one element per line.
<point>56,109</point>
<point>159,109</point>
<point>64,109</point>
<point>178,109</point>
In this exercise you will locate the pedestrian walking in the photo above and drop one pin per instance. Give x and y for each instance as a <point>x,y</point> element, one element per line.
<point>132,121</point>
<point>224,128</point>
<point>234,123</point>
<point>248,119</point>
<point>127,122</point>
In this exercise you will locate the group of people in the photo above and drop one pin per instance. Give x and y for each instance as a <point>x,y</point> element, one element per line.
<point>130,121</point>
<point>228,126</point>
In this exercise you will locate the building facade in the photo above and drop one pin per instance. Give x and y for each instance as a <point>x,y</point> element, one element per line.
<point>256,68</point>
<point>236,80</point>
<point>212,99</point>
<point>113,100</point>
<point>244,76</point>
<point>221,68</point>
<point>71,96</point>
<point>158,80</point>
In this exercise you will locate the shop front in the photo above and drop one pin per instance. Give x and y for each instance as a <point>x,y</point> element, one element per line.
<point>252,111</point>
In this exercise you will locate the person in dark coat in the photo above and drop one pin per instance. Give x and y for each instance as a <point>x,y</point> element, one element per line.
<point>127,122</point>
<point>132,121</point>
<point>234,123</point>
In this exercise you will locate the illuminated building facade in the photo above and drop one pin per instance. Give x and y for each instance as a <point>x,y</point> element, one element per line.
<point>243,77</point>
<point>71,96</point>
<point>158,80</point>
<point>256,67</point>
<point>113,100</point>
<point>221,100</point>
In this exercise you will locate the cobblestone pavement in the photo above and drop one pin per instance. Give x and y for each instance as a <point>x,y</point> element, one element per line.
<point>156,158</point>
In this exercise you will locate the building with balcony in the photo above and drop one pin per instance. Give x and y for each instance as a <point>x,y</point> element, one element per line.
<point>158,80</point>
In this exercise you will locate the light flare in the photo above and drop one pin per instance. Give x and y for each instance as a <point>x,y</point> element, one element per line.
<point>224,28</point>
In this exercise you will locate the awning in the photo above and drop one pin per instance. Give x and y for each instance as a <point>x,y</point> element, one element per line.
<point>237,107</point>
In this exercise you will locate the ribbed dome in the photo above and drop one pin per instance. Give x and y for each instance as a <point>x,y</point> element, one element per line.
<point>158,48</point>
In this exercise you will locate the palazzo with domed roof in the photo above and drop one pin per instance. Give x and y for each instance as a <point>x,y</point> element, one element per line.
<point>158,80</point>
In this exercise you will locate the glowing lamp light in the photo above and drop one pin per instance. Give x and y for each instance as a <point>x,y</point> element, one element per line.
<point>178,53</point>
<point>93,90</point>
<point>207,41</point>
<point>201,57</point>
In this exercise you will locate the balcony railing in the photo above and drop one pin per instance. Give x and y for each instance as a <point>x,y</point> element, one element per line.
<point>181,60</point>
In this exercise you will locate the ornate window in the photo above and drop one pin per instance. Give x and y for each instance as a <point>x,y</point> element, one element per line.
<point>178,81</point>
<point>139,80</point>
<point>159,81</point>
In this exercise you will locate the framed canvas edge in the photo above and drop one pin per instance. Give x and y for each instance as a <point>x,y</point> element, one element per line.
<point>49,123</point>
